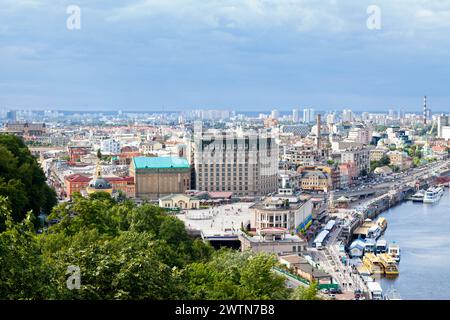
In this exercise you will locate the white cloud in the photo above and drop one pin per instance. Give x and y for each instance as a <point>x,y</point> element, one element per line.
<point>236,14</point>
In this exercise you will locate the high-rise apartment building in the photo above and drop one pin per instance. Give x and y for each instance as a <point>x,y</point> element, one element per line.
<point>308,115</point>
<point>347,115</point>
<point>245,163</point>
<point>275,114</point>
<point>295,115</point>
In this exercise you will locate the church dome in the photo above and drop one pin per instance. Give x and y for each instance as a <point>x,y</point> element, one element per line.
<point>100,184</point>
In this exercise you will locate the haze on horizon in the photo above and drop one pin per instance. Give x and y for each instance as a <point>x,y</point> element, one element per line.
<point>252,55</point>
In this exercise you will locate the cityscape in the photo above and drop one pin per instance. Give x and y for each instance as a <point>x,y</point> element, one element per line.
<point>225,157</point>
<point>309,188</point>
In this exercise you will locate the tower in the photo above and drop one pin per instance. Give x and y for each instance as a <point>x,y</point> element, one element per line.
<point>425,111</point>
<point>319,120</point>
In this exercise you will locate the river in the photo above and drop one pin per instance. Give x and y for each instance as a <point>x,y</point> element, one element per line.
<point>423,233</point>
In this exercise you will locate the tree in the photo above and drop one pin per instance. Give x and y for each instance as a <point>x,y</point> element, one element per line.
<point>363,172</point>
<point>236,275</point>
<point>22,180</point>
<point>99,154</point>
<point>124,251</point>
<point>306,293</point>
<point>23,273</point>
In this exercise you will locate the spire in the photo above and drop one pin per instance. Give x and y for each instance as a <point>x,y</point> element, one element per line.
<point>98,170</point>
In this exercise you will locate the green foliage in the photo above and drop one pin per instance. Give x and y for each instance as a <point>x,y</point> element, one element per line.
<point>306,293</point>
<point>125,251</point>
<point>23,273</point>
<point>22,181</point>
<point>384,161</point>
<point>234,275</point>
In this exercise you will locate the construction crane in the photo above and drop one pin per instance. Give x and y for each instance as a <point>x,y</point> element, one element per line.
<point>432,128</point>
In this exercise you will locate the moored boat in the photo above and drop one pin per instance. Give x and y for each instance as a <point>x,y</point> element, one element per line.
<point>418,196</point>
<point>389,264</point>
<point>394,251</point>
<point>373,264</point>
<point>382,223</point>
<point>432,195</point>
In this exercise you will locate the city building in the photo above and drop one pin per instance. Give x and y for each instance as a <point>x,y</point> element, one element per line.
<point>378,153</point>
<point>77,152</point>
<point>316,178</point>
<point>244,163</point>
<point>443,127</point>
<point>301,130</point>
<point>303,154</point>
<point>308,115</point>
<point>288,212</point>
<point>26,128</point>
<point>275,114</point>
<point>400,159</point>
<point>358,156</point>
<point>110,146</point>
<point>272,241</point>
<point>179,201</point>
<point>159,176</point>
<point>11,116</point>
<point>295,115</point>
<point>81,183</point>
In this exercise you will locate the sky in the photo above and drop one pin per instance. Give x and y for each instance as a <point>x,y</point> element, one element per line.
<point>249,55</point>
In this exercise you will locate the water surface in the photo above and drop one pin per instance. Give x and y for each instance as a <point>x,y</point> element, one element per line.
<point>423,233</point>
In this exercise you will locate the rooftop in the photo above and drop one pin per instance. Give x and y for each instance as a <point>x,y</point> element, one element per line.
<point>160,162</point>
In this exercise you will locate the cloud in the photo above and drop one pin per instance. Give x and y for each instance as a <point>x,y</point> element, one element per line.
<point>301,15</point>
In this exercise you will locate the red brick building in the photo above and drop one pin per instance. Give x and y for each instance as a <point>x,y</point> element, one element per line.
<point>75,153</point>
<point>79,182</point>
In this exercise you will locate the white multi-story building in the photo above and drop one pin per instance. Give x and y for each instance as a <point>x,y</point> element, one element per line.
<point>275,114</point>
<point>245,163</point>
<point>308,115</point>
<point>360,135</point>
<point>443,127</point>
<point>347,115</point>
<point>359,157</point>
<point>110,146</point>
<point>295,115</point>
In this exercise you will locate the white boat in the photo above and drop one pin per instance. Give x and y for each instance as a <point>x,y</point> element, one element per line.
<point>376,292</point>
<point>433,195</point>
<point>418,197</point>
<point>394,251</point>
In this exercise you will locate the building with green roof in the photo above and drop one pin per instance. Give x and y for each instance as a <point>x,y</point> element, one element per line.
<point>160,176</point>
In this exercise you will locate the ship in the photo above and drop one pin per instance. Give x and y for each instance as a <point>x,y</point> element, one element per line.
<point>418,196</point>
<point>389,264</point>
<point>432,195</point>
<point>373,264</point>
<point>394,251</point>
<point>382,223</point>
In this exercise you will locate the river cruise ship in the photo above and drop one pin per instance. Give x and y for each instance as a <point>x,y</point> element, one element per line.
<point>433,195</point>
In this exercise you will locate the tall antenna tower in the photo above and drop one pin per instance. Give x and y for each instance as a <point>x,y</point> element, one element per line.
<point>425,111</point>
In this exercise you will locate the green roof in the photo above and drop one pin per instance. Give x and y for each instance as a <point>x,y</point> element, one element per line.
<point>160,163</point>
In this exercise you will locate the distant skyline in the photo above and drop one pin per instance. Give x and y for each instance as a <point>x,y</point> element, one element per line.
<point>242,55</point>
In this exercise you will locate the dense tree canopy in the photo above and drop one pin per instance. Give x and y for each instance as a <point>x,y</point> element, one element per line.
<point>22,181</point>
<point>124,251</point>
